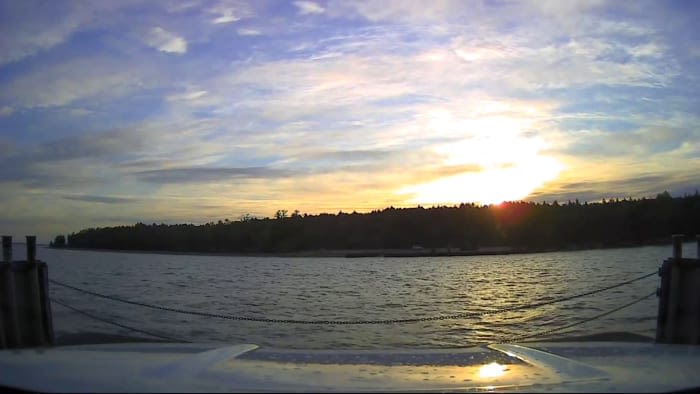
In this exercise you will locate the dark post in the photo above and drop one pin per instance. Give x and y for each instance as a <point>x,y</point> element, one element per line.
<point>697,239</point>
<point>678,319</point>
<point>8,311</point>
<point>7,248</point>
<point>677,246</point>
<point>25,310</point>
<point>31,248</point>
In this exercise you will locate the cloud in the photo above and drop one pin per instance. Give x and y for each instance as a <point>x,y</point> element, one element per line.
<point>6,147</point>
<point>89,146</point>
<point>226,17</point>
<point>145,163</point>
<point>62,83</point>
<point>101,199</point>
<point>6,111</point>
<point>308,7</point>
<point>399,10</point>
<point>166,41</point>
<point>353,155</point>
<point>643,185</point>
<point>30,27</point>
<point>80,112</point>
<point>230,11</point>
<point>288,89</point>
<point>649,136</point>
<point>209,174</point>
<point>188,96</point>
<point>248,32</point>
<point>70,161</point>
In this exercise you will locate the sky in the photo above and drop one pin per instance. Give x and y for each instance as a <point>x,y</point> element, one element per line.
<point>118,112</point>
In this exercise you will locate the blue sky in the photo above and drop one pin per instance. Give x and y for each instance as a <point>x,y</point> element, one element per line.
<point>191,111</point>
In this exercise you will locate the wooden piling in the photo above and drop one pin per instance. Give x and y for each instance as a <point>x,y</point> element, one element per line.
<point>678,319</point>
<point>31,248</point>
<point>6,248</point>
<point>677,246</point>
<point>25,313</point>
<point>8,312</point>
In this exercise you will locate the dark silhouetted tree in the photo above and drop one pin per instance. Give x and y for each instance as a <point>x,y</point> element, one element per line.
<point>526,226</point>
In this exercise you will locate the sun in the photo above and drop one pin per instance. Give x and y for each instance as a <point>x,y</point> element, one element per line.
<point>502,147</point>
<point>488,186</point>
<point>508,167</point>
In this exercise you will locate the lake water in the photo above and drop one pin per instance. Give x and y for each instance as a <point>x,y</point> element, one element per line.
<point>355,289</point>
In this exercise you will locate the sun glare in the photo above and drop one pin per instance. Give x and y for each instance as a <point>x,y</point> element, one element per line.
<point>490,186</point>
<point>492,370</point>
<point>510,167</point>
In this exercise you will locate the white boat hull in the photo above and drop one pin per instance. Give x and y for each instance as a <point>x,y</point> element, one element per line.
<point>161,367</point>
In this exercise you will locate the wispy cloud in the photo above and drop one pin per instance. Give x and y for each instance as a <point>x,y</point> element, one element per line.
<point>230,11</point>
<point>248,32</point>
<point>640,186</point>
<point>403,11</point>
<point>208,174</point>
<point>226,17</point>
<point>33,26</point>
<point>308,7</point>
<point>188,96</point>
<point>87,146</point>
<point>64,82</point>
<point>101,199</point>
<point>6,111</point>
<point>166,41</point>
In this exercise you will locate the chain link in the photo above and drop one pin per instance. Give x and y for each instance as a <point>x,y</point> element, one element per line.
<point>467,315</point>
<point>90,315</point>
<point>578,323</point>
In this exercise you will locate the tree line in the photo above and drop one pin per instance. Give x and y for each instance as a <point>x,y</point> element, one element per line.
<point>523,226</point>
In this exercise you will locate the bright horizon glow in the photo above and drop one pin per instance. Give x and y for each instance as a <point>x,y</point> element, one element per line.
<point>509,165</point>
<point>491,186</point>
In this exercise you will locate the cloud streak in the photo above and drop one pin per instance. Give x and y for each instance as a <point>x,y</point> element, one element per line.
<point>308,7</point>
<point>208,174</point>
<point>101,199</point>
<point>166,41</point>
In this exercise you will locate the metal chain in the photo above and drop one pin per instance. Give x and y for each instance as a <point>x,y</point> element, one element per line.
<point>468,315</point>
<point>509,340</point>
<point>90,315</point>
<point>578,323</point>
<point>555,330</point>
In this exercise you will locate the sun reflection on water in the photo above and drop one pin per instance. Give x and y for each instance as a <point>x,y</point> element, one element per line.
<point>492,370</point>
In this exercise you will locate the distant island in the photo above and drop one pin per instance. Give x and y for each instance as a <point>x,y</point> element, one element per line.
<point>510,227</point>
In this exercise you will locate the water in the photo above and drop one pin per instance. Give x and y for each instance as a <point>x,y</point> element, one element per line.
<point>355,289</point>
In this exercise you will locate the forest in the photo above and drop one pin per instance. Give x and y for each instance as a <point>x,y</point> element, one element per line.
<point>520,226</point>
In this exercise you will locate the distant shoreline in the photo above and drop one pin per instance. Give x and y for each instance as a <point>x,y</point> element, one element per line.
<point>388,253</point>
<point>316,253</point>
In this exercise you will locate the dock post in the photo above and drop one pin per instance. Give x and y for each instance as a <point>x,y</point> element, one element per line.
<point>6,248</point>
<point>25,313</point>
<point>8,312</point>
<point>678,319</point>
<point>31,248</point>
<point>677,246</point>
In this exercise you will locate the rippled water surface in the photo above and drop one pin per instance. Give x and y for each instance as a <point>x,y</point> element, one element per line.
<point>355,289</point>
